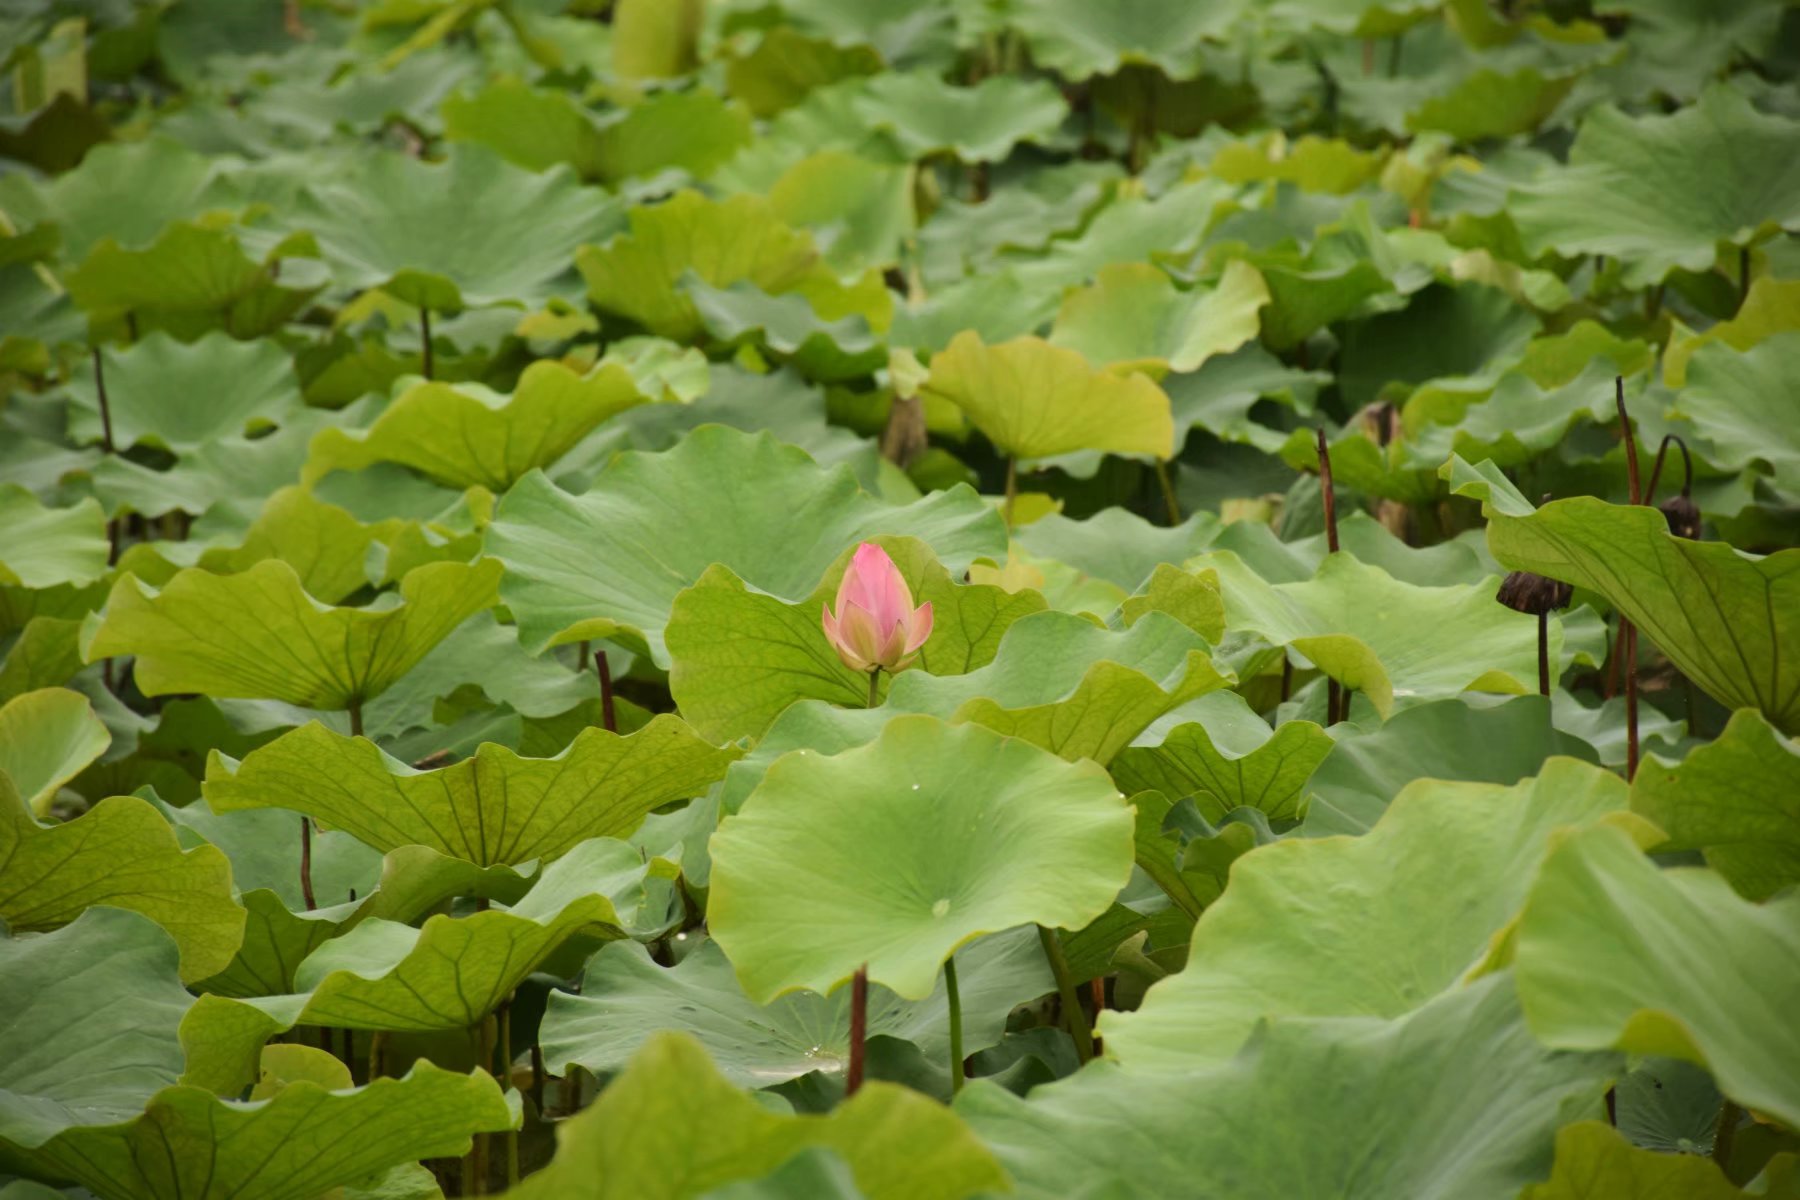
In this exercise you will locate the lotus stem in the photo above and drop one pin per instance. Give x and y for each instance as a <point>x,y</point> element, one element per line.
<point>859,1030</point>
<point>537,1078</point>
<point>306,888</point>
<point>425,340</point>
<point>1327,494</point>
<point>954,998</point>
<point>356,720</point>
<point>1726,1133</point>
<point>1543,619</point>
<point>1171,502</point>
<point>1631,454</point>
<point>609,717</point>
<point>1012,492</point>
<point>1393,62</point>
<point>504,1018</point>
<point>1743,275</point>
<point>1628,632</point>
<point>1073,1015</point>
<point>106,429</point>
<point>1687,462</point>
<point>874,687</point>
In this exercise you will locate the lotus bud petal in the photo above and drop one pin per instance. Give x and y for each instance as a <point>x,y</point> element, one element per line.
<point>1683,516</point>
<point>875,626</point>
<point>1525,592</point>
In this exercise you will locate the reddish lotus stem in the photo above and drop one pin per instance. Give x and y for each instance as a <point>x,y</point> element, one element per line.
<point>859,1028</point>
<point>608,717</point>
<point>425,339</point>
<point>1331,537</point>
<point>1544,653</point>
<point>1687,462</point>
<point>306,891</point>
<point>1631,454</point>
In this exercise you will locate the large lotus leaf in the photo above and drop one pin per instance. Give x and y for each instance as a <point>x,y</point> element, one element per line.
<point>977,124</point>
<point>1219,396</point>
<point>464,435</point>
<point>47,738</point>
<point>1467,329</point>
<point>128,191</point>
<point>1513,424</point>
<point>785,64</point>
<point>1066,684</point>
<point>492,808</point>
<point>1661,192</point>
<point>860,211</point>
<point>119,853</point>
<point>93,1011</point>
<point>1458,560</point>
<point>1226,757</point>
<point>193,278</point>
<point>1610,951</point>
<point>1596,1162</point>
<point>472,230</point>
<point>693,131</point>
<point>1772,306</point>
<point>1117,545</point>
<point>626,998</point>
<point>1077,40</point>
<point>1396,643</point>
<point>1369,926</point>
<point>1737,799</point>
<point>1134,318</point>
<point>1445,739</point>
<point>1729,621</point>
<point>1034,400</point>
<point>637,274</point>
<point>639,1140</point>
<point>1450,1102</point>
<point>49,546</point>
<point>46,653</point>
<point>453,971</point>
<point>304,1141</point>
<point>787,324</point>
<point>610,562</point>
<point>258,635</point>
<point>739,657</point>
<point>896,853</point>
<point>180,397</point>
<point>1736,401</point>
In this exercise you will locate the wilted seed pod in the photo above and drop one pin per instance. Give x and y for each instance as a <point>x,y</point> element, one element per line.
<point>1683,516</point>
<point>1525,592</point>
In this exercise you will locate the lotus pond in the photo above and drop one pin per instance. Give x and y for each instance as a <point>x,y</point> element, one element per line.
<point>910,599</point>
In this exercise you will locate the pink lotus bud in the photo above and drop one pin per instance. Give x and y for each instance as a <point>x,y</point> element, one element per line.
<point>876,626</point>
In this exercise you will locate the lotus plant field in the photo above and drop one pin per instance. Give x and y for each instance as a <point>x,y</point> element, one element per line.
<point>907,599</point>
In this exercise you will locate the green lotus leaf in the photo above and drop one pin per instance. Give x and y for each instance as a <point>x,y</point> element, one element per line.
<point>1459,560</point>
<point>1078,40</point>
<point>1220,395</point>
<point>453,971</point>
<point>1734,401</point>
<point>326,546</point>
<point>264,848</point>
<point>837,862</point>
<point>1070,686</point>
<point>1192,599</point>
<point>860,211</point>
<point>1467,329</point>
<point>609,563</point>
<point>473,230</point>
<point>898,1143</point>
<point>1729,621</point>
<point>1312,163</point>
<point>180,397</point>
<point>1737,799</point>
<point>57,1073</point>
<point>50,546</point>
<point>626,998</point>
<point>1034,400</point>
<point>47,738</point>
<point>1134,318</point>
<point>655,41</point>
<point>1446,739</point>
<point>637,273</point>
<point>466,435</point>
<point>220,635</point>
<point>1226,757</point>
<point>1329,928</point>
<point>1594,1160</point>
<point>492,808</point>
<point>1117,545</point>
<point>1612,952</point>
<point>739,658</point>
<point>120,853</point>
<point>1724,172</point>
<point>1396,643</point>
<point>303,1141</point>
<point>976,124</point>
<point>1455,1099</point>
<point>1513,424</point>
<point>785,65</point>
<point>46,653</point>
<point>193,278</point>
<point>1772,306</point>
<point>786,324</point>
